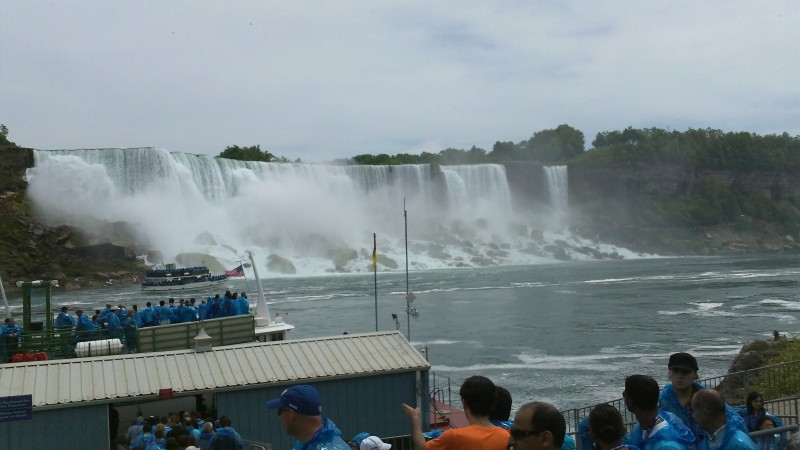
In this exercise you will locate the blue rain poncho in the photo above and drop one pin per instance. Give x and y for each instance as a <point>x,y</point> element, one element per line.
<point>669,434</point>
<point>226,437</point>
<point>732,439</point>
<point>114,327</point>
<point>751,420</point>
<point>668,401</point>
<point>145,440</point>
<point>63,320</point>
<point>328,437</point>
<point>242,306</point>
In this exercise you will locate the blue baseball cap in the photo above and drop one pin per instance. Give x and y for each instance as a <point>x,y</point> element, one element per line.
<point>301,398</point>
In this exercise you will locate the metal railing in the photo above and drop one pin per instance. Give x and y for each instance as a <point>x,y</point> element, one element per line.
<point>253,445</point>
<point>734,387</point>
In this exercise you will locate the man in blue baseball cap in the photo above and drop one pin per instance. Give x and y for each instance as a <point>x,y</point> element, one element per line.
<point>300,412</point>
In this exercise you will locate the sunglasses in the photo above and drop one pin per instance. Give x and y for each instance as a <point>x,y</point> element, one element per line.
<point>681,370</point>
<point>517,434</point>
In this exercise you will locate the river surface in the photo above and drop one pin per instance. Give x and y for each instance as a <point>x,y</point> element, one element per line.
<point>566,333</point>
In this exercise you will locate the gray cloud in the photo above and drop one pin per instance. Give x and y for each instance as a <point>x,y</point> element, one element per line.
<point>325,80</point>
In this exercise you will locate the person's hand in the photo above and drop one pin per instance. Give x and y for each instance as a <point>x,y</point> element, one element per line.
<point>412,413</point>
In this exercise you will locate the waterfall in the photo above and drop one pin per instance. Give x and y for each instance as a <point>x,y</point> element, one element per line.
<point>557,187</point>
<point>319,217</point>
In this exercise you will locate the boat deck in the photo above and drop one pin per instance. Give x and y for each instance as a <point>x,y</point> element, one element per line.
<point>444,416</point>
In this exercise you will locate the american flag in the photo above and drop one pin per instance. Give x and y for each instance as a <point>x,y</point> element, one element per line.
<point>237,272</point>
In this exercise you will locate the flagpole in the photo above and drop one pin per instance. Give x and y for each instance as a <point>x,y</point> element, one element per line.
<point>245,275</point>
<point>375,273</point>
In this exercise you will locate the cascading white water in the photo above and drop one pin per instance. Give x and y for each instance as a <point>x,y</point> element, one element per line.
<point>557,187</point>
<point>319,217</point>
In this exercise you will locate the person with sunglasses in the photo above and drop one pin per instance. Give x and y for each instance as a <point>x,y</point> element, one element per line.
<point>539,426</point>
<point>478,397</point>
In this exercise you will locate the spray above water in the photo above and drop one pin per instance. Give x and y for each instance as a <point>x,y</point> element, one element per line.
<point>310,218</point>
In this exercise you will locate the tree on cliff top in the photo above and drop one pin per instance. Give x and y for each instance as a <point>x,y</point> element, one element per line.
<point>4,142</point>
<point>252,153</point>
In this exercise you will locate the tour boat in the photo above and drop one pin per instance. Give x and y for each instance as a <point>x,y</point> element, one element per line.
<point>174,278</point>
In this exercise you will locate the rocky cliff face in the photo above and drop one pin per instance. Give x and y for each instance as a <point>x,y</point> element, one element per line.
<point>31,250</point>
<point>588,183</point>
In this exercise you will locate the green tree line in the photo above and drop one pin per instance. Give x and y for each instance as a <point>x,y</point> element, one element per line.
<point>694,148</point>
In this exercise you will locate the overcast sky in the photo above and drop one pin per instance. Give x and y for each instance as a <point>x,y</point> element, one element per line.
<point>323,80</point>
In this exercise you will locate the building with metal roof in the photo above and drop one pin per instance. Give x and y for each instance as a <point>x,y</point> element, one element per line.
<point>362,378</point>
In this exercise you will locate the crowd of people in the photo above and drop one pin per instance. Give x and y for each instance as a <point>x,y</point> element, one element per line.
<point>684,415</point>
<point>182,431</point>
<point>118,322</point>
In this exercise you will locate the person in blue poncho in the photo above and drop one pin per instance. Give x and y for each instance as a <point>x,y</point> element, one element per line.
<point>654,430</point>
<point>85,330</point>
<point>10,333</point>
<point>226,437</point>
<point>147,315</point>
<point>63,320</point>
<point>242,304</point>
<point>114,327</point>
<point>774,441</point>
<point>721,434</point>
<point>754,412</point>
<point>300,412</point>
<point>606,429</point>
<point>676,396</point>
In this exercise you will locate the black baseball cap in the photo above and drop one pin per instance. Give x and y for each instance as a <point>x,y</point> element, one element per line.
<point>683,361</point>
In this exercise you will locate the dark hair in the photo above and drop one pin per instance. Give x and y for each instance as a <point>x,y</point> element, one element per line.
<point>606,424</point>
<point>752,396</point>
<point>643,391</point>
<point>502,404</point>
<point>478,394</point>
<point>225,421</point>
<point>764,419</point>
<point>545,417</point>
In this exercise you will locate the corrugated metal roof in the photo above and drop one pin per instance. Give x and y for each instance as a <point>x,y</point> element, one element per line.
<point>103,378</point>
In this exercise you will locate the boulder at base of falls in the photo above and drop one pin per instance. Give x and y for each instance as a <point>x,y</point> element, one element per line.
<point>279,264</point>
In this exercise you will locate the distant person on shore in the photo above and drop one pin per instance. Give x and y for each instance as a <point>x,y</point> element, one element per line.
<point>754,411</point>
<point>537,426</point>
<point>775,335</point>
<point>63,320</point>
<point>299,409</point>
<point>478,396</point>
<point>709,412</point>
<point>676,397</point>
<point>654,430</point>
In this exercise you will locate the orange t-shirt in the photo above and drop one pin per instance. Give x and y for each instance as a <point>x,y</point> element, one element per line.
<point>472,437</point>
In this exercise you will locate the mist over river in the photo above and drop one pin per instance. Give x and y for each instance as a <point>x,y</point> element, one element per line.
<point>561,332</point>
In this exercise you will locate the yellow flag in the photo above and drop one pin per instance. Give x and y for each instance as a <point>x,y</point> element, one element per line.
<point>374,253</point>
